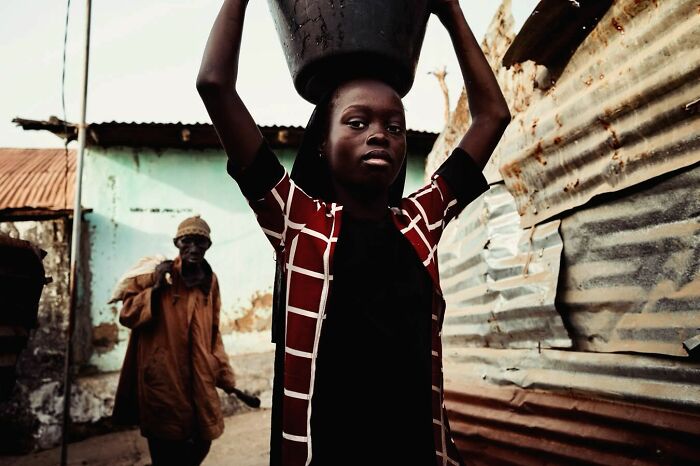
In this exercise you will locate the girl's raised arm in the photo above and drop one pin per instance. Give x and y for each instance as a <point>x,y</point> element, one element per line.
<point>489,111</point>
<point>216,84</point>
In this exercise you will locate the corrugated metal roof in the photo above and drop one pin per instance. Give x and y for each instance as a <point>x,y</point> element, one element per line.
<point>36,179</point>
<point>631,268</point>
<point>509,425</point>
<point>624,110</point>
<point>187,135</point>
<point>499,280</point>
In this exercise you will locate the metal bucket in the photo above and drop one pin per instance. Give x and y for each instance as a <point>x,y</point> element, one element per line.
<point>325,41</point>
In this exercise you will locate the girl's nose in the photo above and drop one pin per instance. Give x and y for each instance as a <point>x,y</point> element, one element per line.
<point>377,137</point>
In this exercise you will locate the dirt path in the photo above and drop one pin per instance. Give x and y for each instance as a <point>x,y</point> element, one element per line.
<point>244,443</point>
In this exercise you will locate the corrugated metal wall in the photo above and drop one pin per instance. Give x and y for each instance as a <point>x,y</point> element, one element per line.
<point>499,280</point>
<point>630,276</point>
<point>573,282</point>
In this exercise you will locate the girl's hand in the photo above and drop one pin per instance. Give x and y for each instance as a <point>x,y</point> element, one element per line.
<point>443,8</point>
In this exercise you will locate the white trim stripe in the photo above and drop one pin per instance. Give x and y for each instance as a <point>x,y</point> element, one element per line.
<point>318,235</point>
<point>303,271</point>
<point>431,255</point>
<point>292,253</point>
<point>425,240</point>
<point>436,225</point>
<point>294,438</point>
<point>317,336</point>
<point>278,198</point>
<point>294,352</point>
<point>449,205</point>
<point>421,210</point>
<point>423,191</point>
<point>448,459</point>
<point>294,225</point>
<point>298,395</point>
<point>274,234</point>
<point>437,187</point>
<point>414,222</point>
<point>302,312</point>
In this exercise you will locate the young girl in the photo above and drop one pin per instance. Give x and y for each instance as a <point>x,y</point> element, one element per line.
<point>359,361</point>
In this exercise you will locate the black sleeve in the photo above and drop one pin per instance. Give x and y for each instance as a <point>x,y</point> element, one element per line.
<point>463,176</point>
<point>261,176</point>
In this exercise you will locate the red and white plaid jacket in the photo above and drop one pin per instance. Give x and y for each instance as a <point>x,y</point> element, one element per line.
<point>306,231</point>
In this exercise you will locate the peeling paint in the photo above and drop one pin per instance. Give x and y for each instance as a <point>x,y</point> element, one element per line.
<point>105,336</point>
<point>256,318</point>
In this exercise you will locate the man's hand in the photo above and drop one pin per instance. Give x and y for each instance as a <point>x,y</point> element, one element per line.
<point>163,270</point>
<point>250,400</point>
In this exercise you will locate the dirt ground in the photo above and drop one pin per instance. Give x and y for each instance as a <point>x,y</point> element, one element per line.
<point>244,443</point>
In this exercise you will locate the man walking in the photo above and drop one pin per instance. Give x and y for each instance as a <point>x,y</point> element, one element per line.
<point>175,358</point>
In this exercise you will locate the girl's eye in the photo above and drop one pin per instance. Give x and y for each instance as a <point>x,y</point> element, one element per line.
<point>395,129</point>
<point>357,124</point>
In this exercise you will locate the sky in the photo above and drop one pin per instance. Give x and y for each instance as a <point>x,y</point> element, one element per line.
<point>144,57</point>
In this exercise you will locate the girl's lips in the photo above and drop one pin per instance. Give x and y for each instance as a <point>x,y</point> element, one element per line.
<point>377,158</point>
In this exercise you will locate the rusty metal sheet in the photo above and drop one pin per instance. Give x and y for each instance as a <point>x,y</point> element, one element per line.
<point>36,179</point>
<point>624,110</point>
<point>498,279</point>
<point>651,381</point>
<point>631,268</point>
<point>497,425</point>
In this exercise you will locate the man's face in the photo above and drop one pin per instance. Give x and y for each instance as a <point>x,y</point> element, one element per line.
<point>192,248</point>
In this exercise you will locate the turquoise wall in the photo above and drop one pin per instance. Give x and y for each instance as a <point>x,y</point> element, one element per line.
<point>137,198</point>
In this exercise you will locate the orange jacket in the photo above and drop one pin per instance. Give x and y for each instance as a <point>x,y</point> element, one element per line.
<point>174,361</point>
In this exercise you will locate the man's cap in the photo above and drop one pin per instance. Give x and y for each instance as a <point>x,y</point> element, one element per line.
<point>193,226</point>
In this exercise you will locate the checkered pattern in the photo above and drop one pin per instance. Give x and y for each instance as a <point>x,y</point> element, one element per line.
<point>306,232</point>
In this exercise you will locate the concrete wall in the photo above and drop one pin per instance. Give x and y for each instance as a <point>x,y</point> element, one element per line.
<point>137,198</point>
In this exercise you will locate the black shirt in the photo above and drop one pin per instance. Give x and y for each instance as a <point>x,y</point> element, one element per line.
<point>372,391</point>
<point>343,379</point>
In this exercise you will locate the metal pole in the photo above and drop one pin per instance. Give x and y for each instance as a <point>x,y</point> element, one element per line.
<point>75,243</point>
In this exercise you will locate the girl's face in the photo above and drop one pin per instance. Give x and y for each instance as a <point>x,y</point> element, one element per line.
<point>366,142</point>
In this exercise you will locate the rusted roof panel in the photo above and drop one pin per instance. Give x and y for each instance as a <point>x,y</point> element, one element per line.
<point>36,179</point>
<point>624,110</point>
<point>631,268</point>
<point>510,425</point>
<point>554,31</point>
<point>499,280</point>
